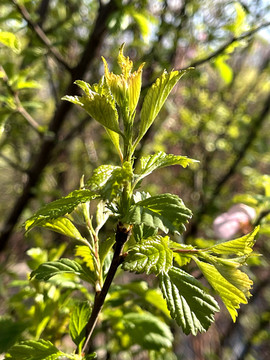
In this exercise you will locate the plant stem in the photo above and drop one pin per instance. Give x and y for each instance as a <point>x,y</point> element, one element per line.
<point>121,237</point>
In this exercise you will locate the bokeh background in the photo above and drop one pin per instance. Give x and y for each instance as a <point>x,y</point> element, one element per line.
<point>217,114</point>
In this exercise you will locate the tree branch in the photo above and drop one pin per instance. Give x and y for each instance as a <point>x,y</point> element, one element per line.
<point>221,49</point>
<point>19,107</point>
<point>41,35</point>
<point>49,142</point>
<point>121,237</point>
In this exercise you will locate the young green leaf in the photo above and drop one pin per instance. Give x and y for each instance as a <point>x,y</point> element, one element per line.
<point>125,87</point>
<point>155,98</point>
<point>159,160</point>
<point>78,321</point>
<point>231,284</point>
<point>59,207</point>
<point>147,331</point>
<point>166,212</point>
<point>104,249</point>
<point>182,254</point>
<point>151,255</point>
<point>109,180</point>
<point>141,231</point>
<point>102,215</point>
<point>115,138</point>
<point>51,268</point>
<point>241,247</point>
<point>85,252</point>
<point>100,176</point>
<point>34,350</point>
<point>62,226</point>
<point>100,107</point>
<point>84,86</point>
<point>102,110</point>
<point>181,259</point>
<point>191,307</point>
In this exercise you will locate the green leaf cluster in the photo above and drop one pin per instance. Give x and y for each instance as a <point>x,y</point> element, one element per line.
<point>189,303</point>
<point>113,101</point>
<point>151,222</point>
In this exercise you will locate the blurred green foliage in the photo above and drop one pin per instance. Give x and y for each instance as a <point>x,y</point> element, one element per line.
<point>218,115</point>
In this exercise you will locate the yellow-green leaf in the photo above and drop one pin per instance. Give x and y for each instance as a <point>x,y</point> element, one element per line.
<point>10,40</point>
<point>242,246</point>
<point>231,284</point>
<point>125,87</point>
<point>63,226</point>
<point>115,138</point>
<point>84,252</point>
<point>134,88</point>
<point>156,97</point>
<point>102,110</point>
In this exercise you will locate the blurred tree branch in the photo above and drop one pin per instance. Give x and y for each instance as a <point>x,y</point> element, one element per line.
<point>19,107</point>
<point>41,35</point>
<point>57,121</point>
<point>256,124</point>
<point>202,61</point>
<point>234,328</point>
<point>225,46</point>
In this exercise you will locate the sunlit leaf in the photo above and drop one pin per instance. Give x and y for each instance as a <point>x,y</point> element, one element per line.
<point>241,246</point>
<point>99,107</point>
<point>155,98</point>
<point>84,252</point>
<point>78,321</point>
<point>104,249</point>
<point>181,254</point>
<point>151,255</point>
<point>231,284</point>
<point>62,226</point>
<point>224,69</point>
<point>59,207</point>
<point>166,212</point>
<point>159,160</point>
<point>10,40</point>
<point>125,87</point>
<point>115,138</point>
<point>34,350</point>
<point>109,180</point>
<point>51,268</point>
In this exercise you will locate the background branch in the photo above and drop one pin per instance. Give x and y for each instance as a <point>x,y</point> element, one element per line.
<point>121,237</point>
<point>57,121</point>
<point>224,47</point>
<point>256,125</point>
<point>41,35</point>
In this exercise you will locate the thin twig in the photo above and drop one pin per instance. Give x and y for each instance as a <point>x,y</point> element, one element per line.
<point>41,35</point>
<point>19,107</point>
<point>14,165</point>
